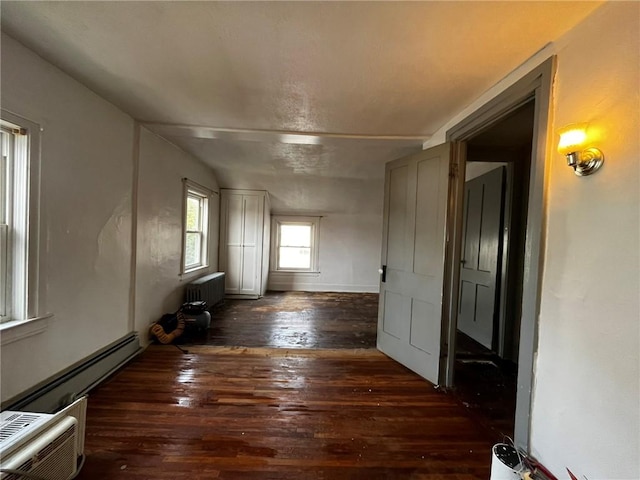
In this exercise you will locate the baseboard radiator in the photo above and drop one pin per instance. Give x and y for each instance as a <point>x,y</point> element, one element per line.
<point>77,380</point>
<point>209,288</point>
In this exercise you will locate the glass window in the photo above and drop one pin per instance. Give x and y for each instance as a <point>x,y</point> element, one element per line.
<point>19,225</point>
<point>5,214</point>
<point>195,252</point>
<point>295,244</point>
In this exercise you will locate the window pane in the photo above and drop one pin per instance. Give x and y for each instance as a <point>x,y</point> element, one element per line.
<point>5,159</point>
<point>193,213</point>
<point>192,250</point>
<point>295,235</point>
<point>294,257</point>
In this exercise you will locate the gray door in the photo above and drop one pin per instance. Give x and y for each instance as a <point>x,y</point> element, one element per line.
<point>479,269</point>
<point>410,313</point>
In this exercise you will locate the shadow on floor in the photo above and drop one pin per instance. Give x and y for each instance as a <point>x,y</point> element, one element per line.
<point>486,385</point>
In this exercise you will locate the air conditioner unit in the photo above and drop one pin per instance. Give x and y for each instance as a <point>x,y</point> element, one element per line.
<point>42,445</point>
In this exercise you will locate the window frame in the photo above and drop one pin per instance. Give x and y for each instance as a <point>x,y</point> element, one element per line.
<point>192,189</point>
<point>24,254</point>
<point>276,222</point>
<point>6,214</point>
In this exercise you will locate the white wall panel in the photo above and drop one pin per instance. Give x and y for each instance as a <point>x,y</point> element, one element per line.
<point>86,194</point>
<point>159,285</point>
<point>586,410</point>
<point>349,257</point>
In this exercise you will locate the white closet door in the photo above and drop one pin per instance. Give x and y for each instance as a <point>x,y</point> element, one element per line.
<point>242,237</point>
<point>251,244</point>
<point>232,262</point>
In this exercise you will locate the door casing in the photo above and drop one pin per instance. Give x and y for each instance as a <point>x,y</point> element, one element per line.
<point>536,86</point>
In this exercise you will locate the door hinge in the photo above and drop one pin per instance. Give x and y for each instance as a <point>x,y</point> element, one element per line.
<point>453,170</point>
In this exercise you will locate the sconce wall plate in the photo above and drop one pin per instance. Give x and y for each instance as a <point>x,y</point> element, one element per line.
<point>589,161</point>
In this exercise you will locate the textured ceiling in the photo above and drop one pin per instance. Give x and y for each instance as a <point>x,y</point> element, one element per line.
<point>379,77</point>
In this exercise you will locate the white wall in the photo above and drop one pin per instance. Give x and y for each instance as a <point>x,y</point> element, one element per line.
<point>586,410</point>
<point>349,254</point>
<point>88,153</point>
<point>159,287</point>
<point>350,231</point>
<point>304,182</point>
<point>586,397</point>
<point>86,184</point>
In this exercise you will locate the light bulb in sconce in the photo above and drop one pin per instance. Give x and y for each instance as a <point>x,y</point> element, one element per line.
<point>573,144</point>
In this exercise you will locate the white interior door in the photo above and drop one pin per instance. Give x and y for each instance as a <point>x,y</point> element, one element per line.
<point>413,249</point>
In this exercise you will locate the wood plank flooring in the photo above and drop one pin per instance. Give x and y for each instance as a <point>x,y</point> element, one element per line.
<point>277,414</point>
<point>486,385</point>
<point>297,320</point>
<point>259,412</point>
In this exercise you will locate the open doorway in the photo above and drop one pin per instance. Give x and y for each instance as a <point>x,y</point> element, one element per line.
<point>494,223</point>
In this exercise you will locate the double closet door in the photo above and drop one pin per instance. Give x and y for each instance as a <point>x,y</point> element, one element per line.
<point>244,242</point>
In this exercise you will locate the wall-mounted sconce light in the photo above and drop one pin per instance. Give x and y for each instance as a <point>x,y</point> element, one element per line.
<point>573,139</point>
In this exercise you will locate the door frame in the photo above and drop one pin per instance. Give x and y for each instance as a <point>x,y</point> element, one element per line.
<point>536,86</point>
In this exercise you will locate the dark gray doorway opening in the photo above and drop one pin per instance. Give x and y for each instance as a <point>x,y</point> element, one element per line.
<point>494,221</point>
<point>534,87</point>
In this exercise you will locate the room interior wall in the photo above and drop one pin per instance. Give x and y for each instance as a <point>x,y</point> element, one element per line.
<point>585,411</point>
<point>586,408</point>
<point>349,253</point>
<point>350,227</point>
<point>350,231</point>
<point>85,218</point>
<point>159,285</point>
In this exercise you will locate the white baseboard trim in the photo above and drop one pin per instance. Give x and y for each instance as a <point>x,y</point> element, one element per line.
<point>322,287</point>
<point>75,381</point>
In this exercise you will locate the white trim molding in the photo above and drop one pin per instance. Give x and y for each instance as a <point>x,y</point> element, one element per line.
<point>19,329</point>
<point>195,190</point>
<point>27,251</point>
<point>292,283</point>
<point>314,246</point>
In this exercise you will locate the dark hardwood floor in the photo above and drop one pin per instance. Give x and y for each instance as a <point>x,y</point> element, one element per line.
<point>486,385</point>
<point>280,410</point>
<point>297,320</point>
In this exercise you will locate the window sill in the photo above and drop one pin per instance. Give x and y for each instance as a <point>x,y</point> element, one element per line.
<point>192,271</point>
<point>19,329</point>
